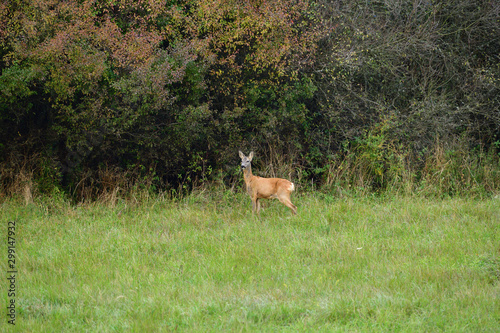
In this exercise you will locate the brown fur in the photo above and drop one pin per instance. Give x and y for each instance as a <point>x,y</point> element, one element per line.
<point>266,188</point>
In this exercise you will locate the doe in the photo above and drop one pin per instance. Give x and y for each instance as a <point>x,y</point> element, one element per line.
<point>265,188</point>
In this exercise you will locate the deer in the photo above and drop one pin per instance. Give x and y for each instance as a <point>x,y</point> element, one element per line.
<point>265,188</point>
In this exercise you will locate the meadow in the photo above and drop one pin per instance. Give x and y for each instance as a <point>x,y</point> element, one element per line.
<point>204,263</point>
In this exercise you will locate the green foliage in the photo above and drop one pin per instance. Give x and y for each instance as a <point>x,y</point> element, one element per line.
<point>16,88</point>
<point>179,87</point>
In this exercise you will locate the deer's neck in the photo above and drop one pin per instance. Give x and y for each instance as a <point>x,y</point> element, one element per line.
<point>247,174</point>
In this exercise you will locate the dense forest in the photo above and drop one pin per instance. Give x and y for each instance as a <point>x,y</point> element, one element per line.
<point>111,95</point>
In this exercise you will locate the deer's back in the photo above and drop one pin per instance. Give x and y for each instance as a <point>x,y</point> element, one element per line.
<point>270,187</point>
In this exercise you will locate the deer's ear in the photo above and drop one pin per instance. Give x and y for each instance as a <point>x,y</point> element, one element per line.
<point>241,155</point>
<point>250,156</point>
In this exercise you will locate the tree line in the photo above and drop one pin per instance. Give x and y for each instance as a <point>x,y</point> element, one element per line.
<point>99,94</point>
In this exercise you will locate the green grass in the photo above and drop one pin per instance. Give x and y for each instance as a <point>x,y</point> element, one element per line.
<point>204,263</point>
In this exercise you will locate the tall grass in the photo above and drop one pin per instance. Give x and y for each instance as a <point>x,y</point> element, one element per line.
<point>374,164</point>
<point>377,165</point>
<point>205,263</point>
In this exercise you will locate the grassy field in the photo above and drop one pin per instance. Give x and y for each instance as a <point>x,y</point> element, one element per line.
<point>204,263</point>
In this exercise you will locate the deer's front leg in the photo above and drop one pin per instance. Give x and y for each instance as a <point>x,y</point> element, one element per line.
<point>255,205</point>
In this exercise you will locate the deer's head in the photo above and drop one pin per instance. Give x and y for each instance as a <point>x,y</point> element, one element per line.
<point>246,160</point>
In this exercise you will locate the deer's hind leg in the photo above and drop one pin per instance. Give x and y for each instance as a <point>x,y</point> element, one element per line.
<point>285,200</point>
